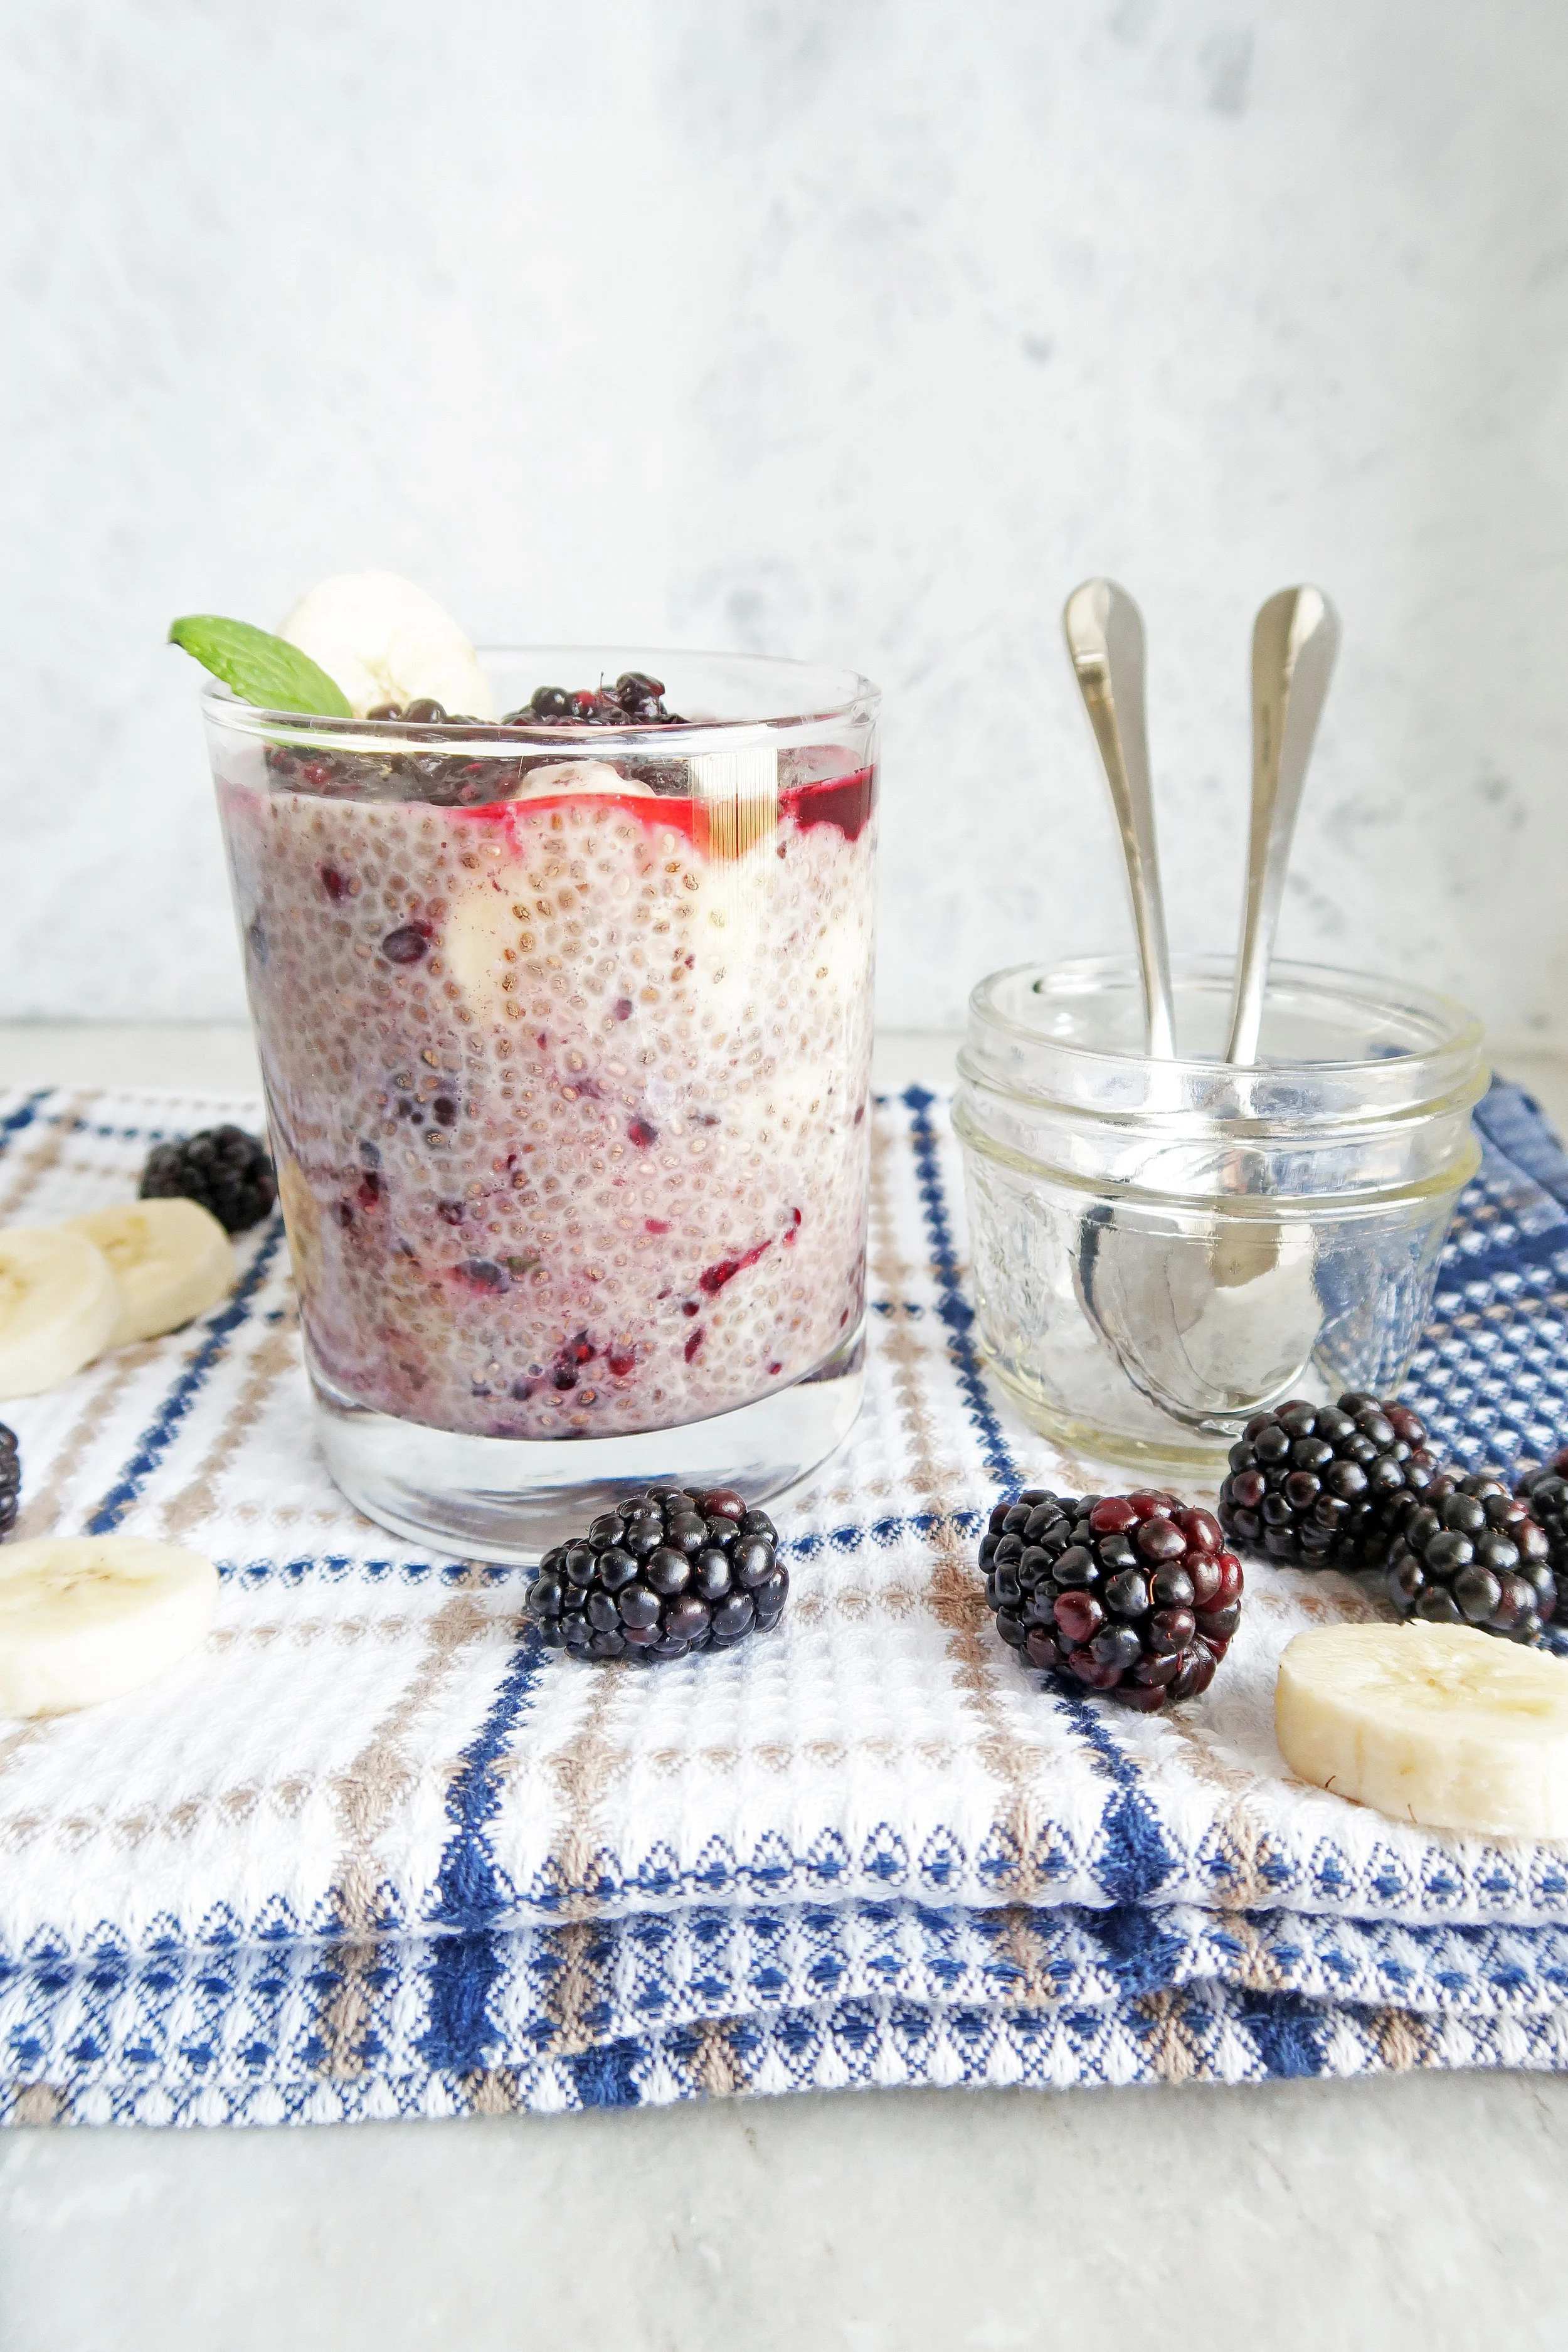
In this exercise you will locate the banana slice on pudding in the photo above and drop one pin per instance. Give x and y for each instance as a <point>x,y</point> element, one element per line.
<point>85,1618</point>
<point>385,640</point>
<point>170,1259</point>
<point>551,777</point>
<point>1436,1724</point>
<point>58,1307</point>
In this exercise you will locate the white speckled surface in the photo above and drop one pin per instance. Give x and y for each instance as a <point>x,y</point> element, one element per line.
<point>861,331</point>
<point>1418,2215</point>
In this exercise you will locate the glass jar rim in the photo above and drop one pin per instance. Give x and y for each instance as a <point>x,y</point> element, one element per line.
<point>1458,1035</point>
<point>839,697</point>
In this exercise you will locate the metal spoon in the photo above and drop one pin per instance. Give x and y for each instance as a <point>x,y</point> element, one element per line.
<point>1104,631</point>
<point>1294,641</point>
<point>1203,1326</point>
<point>1263,1270</point>
<point>1118,1282</point>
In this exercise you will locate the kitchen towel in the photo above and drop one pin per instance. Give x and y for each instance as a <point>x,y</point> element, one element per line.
<point>765,1999</point>
<point>375,1851</point>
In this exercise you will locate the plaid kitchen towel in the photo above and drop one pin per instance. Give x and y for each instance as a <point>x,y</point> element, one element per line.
<point>374,1851</point>
<point>764,1998</point>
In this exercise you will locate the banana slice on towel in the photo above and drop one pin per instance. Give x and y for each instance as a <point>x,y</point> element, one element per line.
<point>385,640</point>
<point>85,1618</point>
<point>58,1307</point>
<point>1436,1723</point>
<point>170,1259</point>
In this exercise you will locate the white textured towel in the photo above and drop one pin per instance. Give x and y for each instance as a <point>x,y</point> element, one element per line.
<point>375,1793</point>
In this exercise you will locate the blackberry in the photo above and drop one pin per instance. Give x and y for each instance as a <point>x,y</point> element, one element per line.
<point>634,700</point>
<point>1325,1485</point>
<point>423,712</point>
<point>1473,1554</point>
<point>226,1170</point>
<point>10,1478</point>
<point>677,1570</point>
<point>1134,1595</point>
<point>1546,1492</point>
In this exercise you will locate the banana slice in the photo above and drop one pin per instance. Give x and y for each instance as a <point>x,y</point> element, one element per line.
<point>172,1259</point>
<point>58,1307</point>
<point>302,1224</point>
<point>1437,1724</point>
<point>83,1618</point>
<point>383,640</point>
<point>475,936</point>
<point>554,777</point>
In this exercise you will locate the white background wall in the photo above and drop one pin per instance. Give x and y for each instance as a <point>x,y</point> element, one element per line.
<point>859,328</point>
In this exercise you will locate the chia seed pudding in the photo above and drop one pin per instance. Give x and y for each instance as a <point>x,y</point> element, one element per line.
<point>567,1053</point>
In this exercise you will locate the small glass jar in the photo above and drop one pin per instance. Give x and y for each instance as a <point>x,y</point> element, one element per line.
<point>1161,1249</point>
<point>565,1030</point>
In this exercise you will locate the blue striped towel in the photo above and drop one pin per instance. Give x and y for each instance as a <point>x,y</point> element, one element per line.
<point>373,1852</point>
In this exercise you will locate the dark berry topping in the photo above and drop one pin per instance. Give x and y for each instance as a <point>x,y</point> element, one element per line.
<point>672,1570</point>
<point>1131,1594</point>
<point>222,1168</point>
<point>10,1478</point>
<point>1473,1554</point>
<point>634,700</point>
<point>1546,1492</point>
<point>1327,1486</point>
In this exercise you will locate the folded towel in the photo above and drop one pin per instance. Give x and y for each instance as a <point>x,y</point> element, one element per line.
<point>334,1863</point>
<point>677,2005</point>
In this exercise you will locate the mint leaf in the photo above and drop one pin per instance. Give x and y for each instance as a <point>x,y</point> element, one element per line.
<point>262,669</point>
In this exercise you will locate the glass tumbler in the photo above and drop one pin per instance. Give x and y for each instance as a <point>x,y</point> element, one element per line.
<point>565,1031</point>
<point>1161,1249</point>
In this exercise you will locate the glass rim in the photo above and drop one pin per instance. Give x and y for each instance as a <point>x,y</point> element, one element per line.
<point>852,699</point>
<point>1460,1037</point>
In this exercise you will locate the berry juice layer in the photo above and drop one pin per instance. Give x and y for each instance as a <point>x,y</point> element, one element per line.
<point>568,1091</point>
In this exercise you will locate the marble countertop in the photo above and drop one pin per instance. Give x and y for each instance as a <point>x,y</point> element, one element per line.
<point>1421,2210</point>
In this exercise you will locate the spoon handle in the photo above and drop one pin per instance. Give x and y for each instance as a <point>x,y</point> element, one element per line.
<point>1294,641</point>
<point>1104,631</point>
